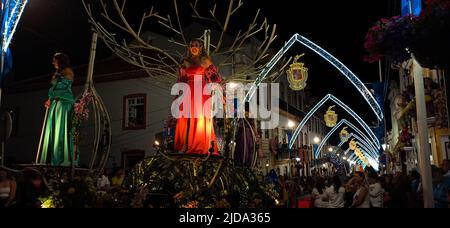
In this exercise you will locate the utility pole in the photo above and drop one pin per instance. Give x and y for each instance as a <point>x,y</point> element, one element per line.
<point>423,146</point>
<point>422,128</point>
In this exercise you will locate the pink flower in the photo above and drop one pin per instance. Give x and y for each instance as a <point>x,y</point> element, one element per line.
<point>78,108</point>
<point>384,20</point>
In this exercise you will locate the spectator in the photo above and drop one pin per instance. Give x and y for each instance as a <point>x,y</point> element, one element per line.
<point>415,197</point>
<point>440,188</point>
<point>318,194</point>
<point>103,181</point>
<point>118,178</point>
<point>7,189</point>
<point>335,194</point>
<point>350,190</point>
<point>34,188</point>
<point>361,197</point>
<point>376,192</point>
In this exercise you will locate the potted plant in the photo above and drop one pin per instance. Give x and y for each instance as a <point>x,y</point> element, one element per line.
<point>431,35</point>
<point>389,38</point>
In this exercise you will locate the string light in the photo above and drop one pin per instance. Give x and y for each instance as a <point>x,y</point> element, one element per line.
<point>343,106</point>
<point>13,12</point>
<point>325,55</point>
<point>325,139</point>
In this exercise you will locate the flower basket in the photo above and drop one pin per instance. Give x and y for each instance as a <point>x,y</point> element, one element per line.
<point>431,36</point>
<point>426,37</point>
<point>389,38</point>
<point>81,114</point>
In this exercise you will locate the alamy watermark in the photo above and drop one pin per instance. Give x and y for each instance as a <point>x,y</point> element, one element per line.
<point>198,100</point>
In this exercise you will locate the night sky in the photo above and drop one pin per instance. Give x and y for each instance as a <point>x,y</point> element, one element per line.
<point>50,26</point>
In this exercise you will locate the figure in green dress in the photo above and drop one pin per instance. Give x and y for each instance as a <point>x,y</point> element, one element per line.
<point>58,141</point>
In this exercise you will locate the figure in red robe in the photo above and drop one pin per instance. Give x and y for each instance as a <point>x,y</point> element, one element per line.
<point>195,134</point>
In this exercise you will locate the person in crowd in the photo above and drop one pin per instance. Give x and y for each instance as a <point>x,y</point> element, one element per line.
<point>318,194</point>
<point>34,188</point>
<point>376,192</point>
<point>361,197</point>
<point>8,188</point>
<point>446,171</point>
<point>440,188</point>
<point>415,184</point>
<point>400,190</point>
<point>335,194</point>
<point>103,181</point>
<point>350,190</point>
<point>117,179</point>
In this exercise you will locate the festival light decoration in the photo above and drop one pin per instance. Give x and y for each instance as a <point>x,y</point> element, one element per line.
<point>344,135</point>
<point>11,12</point>
<point>330,117</point>
<point>328,57</point>
<point>363,144</point>
<point>344,121</point>
<point>352,144</point>
<point>297,74</point>
<point>343,106</point>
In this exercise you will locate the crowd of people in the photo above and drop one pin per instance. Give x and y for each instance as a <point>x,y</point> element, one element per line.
<point>29,188</point>
<point>361,189</point>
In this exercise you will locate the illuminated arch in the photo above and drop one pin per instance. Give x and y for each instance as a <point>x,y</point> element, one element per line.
<point>364,143</point>
<point>327,56</point>
<point>354,158</point>
<point>360,140</point>
<point>361,134</point>
<point>343,106</point>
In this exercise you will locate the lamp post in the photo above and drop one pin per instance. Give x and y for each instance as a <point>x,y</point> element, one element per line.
<point>316,141</point>
<point>291,152</point>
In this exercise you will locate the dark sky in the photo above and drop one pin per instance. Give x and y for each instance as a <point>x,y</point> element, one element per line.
<point>50,26</point>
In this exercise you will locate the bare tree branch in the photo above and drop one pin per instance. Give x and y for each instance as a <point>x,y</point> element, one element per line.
<point>225,26</point>
<point>178,19</point>
<point>158,62</point>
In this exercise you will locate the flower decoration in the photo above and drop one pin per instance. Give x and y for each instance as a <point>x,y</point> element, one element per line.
<point>425,36</point>
<point>389,38</point>
<point>81,113</point>
<point>431,35</point>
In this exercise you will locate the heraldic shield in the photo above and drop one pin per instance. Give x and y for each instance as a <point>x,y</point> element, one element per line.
<point>330,117</point>
<point>297,74</point>
<point>344,135</point>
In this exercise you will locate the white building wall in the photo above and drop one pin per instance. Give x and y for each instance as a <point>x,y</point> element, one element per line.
<point>158,101</point>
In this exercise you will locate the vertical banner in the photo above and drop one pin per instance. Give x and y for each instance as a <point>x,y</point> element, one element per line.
<point>379,89</point>
<point>314,149</point>
<point>411,5</point>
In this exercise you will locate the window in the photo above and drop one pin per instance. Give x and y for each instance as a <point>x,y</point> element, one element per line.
<point>134,112</point>
<point>131,158</point>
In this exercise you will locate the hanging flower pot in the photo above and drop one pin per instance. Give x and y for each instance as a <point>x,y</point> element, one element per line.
<point>431,37</point>
<point>389,38</point>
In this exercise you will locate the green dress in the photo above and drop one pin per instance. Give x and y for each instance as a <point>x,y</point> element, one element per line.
<point>58,137</point>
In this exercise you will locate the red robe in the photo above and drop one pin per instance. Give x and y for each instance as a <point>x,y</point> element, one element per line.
<point>194,135</point>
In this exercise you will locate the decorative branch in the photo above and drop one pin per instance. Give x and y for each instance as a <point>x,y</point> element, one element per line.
<point>163,64</point>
